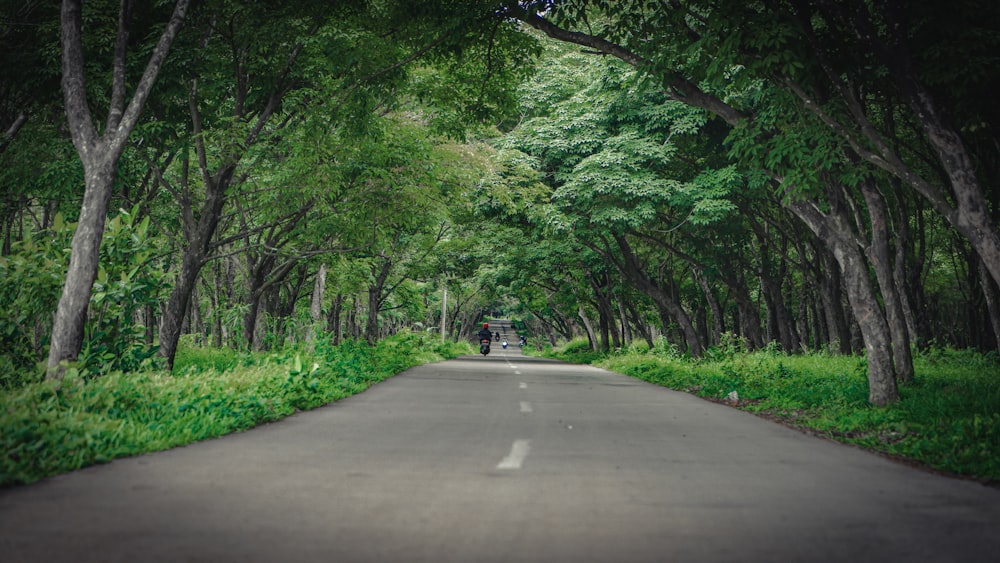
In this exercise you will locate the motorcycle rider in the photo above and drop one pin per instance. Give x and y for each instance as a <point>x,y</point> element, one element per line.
<point>485,333</point>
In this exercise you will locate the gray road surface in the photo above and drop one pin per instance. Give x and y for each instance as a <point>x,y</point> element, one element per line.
<point>505,458</point>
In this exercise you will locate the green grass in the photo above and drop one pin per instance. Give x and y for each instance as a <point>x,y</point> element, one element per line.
<point>947,419</point>
<point>48,428</point>
<point>576,351</point>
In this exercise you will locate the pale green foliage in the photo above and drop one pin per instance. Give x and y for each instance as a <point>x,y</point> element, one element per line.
<point>617,151</point>
<point>128,280</point>
<point>512,188</point>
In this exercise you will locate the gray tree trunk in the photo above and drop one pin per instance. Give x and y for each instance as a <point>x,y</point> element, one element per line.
<point>714,306</point>
<point>631,269</point>
<point>831,295</point>
<point>880,257</point>
<point>833,230</point>
<point>100,157</point>
<point>316,303</point>
<point>589,328</point>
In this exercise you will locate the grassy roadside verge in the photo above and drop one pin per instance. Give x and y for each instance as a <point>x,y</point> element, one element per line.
<point>53,427</point>
<point>947,420</point>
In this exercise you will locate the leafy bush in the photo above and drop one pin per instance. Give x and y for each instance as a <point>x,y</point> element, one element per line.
<point>576,351</point>
<point>31,280</point>
<point>52,427</point>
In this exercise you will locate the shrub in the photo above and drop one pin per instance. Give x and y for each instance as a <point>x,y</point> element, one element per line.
<point>31,280</point>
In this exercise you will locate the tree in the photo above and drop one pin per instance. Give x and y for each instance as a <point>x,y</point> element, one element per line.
<point>99,154</point>
<point>665,65</point>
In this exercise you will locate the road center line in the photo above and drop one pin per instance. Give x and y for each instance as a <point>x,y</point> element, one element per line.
<point>522,385</point>
<point>526,407</point>
<point>518,451</point>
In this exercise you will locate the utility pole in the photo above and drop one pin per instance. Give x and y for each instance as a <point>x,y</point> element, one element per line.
<point>444,310</point>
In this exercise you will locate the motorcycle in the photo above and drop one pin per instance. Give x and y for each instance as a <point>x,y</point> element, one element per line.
<point>484,346</point>
<point>504,344</point>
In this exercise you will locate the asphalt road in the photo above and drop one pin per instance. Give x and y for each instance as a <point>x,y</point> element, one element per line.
<point>505,458</point>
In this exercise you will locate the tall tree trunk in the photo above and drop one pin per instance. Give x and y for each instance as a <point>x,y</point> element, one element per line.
<point>198,233</point>
<point>831,295</point>
<point>799,326</point>
<point>71,314</point>
<point>351,322</point>
<point>631,269</point>
<point>834,231</point>
<point>215,296</point>
<point>779,323</point>
<point>334,324</point>
<point>992,298</point>
<point>880,257</point>
<point>380,274</point>
<point>640,325</point>
<point>193,258</point>
<point>903,244</point>
<point>194,316</point>
<point>625,326</point>
<point>714,306</point>
<point>250,322</point>
<point>589,328</point>
<point>100,157</point>
<point>258,269</point>
<point>603,325</point>
<point>371,324</point>
<point>747,323</point>
<point>602,289</point>
<point>316,303</point>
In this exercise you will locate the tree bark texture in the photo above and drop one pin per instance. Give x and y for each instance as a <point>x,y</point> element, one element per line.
<point>594,345</point>
<point>99,156</point>
<point>714,306</point>
<point>71,313</point>
<point>316,302</point>
<point>831,296</point>
<point>632,270</point>
<point>880,256</point>
<point>380,274</point>
<point>992,298</point>
<point>833,230</point>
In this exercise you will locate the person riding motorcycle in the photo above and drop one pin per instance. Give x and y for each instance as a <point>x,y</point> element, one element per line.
<point>485,336</point>
<point>485,333</point>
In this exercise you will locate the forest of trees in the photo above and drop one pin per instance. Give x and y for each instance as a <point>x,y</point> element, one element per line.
<point>800,175</point>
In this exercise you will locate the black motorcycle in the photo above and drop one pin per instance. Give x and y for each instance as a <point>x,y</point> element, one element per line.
<point>484,346</point>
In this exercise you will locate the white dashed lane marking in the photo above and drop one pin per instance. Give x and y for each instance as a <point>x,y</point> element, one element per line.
<point>518,451</point>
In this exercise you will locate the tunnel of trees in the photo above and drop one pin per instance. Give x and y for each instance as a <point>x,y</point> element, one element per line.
<point>799,175</point>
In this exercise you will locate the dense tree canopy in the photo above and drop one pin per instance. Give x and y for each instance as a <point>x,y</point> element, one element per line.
<point>798,175</point>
